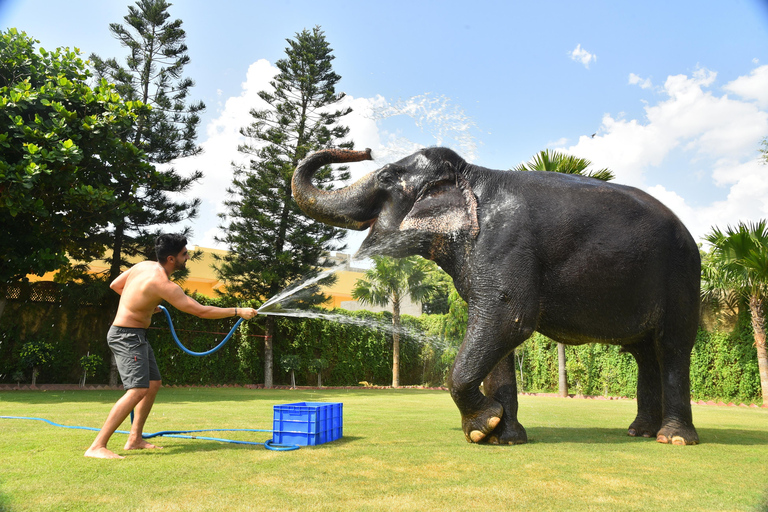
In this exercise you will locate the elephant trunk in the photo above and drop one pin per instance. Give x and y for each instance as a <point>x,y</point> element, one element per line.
<point>352,207</point>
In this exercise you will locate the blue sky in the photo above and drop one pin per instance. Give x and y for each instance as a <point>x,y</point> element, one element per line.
<point>676,92</point>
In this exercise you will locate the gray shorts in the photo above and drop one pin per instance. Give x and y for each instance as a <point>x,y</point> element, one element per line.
<point>134,356</point>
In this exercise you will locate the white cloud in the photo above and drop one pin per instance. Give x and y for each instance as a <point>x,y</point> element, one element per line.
<point>220,150</point>
<point>643,83</point>
<point>752,87</point>
<point>579,54</point>
<point>716,136</point>
<point>558,143</point>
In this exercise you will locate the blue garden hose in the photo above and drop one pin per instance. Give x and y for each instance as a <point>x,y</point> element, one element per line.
<point>198,354</point>
<point>179,434</point>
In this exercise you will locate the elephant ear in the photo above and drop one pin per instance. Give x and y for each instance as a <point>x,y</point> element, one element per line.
<point>444,207</point>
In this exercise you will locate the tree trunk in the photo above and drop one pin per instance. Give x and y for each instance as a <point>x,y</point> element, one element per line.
<point>35,373</point>
<point>293,379</point>
<point>117,250</point>
<point>319,379</point>
<point>268,362</point>
<point>758,326</point>
<point>396,344</point>
<point>563,376</point>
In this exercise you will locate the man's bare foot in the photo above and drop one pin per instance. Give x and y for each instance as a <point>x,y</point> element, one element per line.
<point>141,444</point>
<point>102,453</point>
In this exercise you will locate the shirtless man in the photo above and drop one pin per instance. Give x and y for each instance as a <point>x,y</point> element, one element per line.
<point>142,288</point>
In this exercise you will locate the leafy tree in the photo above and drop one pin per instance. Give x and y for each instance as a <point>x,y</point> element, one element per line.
<point>153,76</point>
<point>291,363</point>
<point>738,263</point>
<point>554,161</point>
<point>90,363</point>
<point>61,141</point>
<point>34,354</point>
<point>272,243</point>
<point>317,366</point>
<point>388,283</point>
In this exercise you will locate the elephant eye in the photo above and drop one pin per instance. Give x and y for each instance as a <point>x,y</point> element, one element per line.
<point>388,176</point>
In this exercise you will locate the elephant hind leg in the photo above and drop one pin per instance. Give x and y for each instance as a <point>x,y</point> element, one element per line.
<point>649,394</point>
<point>674,349</point>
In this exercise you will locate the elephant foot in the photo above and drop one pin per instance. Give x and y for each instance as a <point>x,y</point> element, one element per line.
<point>477,426</point>
<point>508,432</point>
<point>679,435</point>
<point>644,428</point>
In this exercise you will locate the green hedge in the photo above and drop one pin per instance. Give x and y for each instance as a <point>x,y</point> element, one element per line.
<point>357,347</point>
<point>723,366</point>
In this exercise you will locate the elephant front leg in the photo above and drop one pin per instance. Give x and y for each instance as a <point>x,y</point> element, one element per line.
<point>501,385</point>
<point>484,347</point>
<point>479,414</point>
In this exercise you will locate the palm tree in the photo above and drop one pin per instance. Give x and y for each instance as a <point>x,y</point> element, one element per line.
<point>555,161</point>
<point>389,282</point>
<point>738,263</point>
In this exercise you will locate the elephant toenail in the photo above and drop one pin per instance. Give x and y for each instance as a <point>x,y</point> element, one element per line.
<point>492,422</point>
<point>476,436</point>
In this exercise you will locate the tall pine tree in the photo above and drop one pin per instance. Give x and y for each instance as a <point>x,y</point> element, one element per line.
<point>153,76</point>
<point>272,242</point>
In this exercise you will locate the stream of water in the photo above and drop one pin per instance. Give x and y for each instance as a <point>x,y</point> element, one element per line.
<point>280,305</point>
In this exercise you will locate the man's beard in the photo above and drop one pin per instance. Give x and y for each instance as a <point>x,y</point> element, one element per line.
<point>180,266</point>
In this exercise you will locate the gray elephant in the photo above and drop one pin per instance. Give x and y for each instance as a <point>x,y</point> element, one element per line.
<point>574,258</point>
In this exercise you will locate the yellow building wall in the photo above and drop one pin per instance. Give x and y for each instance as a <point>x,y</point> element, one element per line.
<point>342,289</point>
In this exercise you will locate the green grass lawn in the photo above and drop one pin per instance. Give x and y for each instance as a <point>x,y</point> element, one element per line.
<point>401,450</point>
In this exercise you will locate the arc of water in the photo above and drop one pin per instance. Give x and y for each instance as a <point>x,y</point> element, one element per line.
<point>264,309</point>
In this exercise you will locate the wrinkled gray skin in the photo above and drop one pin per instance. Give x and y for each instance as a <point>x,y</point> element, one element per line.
<point>574,258</point>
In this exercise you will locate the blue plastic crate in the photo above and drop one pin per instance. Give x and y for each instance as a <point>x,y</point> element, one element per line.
<point>307,423</point>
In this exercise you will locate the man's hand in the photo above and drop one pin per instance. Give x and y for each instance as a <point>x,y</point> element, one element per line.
<point>246,313</point>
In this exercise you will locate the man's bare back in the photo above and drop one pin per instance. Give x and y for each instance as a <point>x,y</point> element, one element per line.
<point>144,285</point>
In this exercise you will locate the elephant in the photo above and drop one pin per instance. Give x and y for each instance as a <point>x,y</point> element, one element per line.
<point>572,257</point>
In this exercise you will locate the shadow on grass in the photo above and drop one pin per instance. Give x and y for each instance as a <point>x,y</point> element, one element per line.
<point>5,503</point>
<point>556,435</point>
<point>762,506</point>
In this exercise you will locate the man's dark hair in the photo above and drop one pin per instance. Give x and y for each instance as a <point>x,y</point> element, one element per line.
<point>169,244</point>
